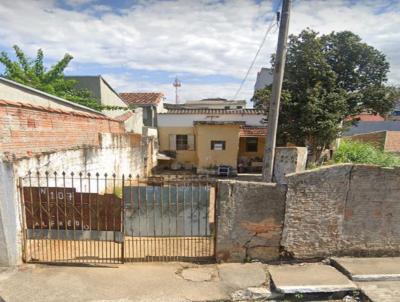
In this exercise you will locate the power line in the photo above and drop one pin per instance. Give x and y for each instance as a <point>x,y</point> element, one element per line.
<point>255,57</point>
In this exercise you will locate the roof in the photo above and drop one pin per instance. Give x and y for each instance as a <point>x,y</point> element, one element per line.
<point>367,127</point>
<point>124,116</point>
<point>54,110</point>
<point>214,111</point>
<point>215,100</point>
<point>365,117</point>
<point>54,98</point>
<point>248,131</point>
<point>141,98</point>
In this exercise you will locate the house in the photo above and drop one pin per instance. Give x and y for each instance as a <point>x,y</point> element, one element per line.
<point>152,103</point>
<point>102,91</point>
<point>211,103</point>
<point>204,139</point>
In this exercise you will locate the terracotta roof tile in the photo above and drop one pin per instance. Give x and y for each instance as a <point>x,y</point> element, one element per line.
<point>214,111</point>
<point>133,98</point>
<point>124,116</point>
<point>248,131</point>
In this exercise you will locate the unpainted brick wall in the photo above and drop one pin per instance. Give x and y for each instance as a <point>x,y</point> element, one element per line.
<point>25,131</point>
<point>249,220</point>
<point>376,139</point>
<point>392,141</point>
<point>343,210</point>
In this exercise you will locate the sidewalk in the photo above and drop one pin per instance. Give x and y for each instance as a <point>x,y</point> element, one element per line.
<point>131,282</point>
<point>213,282</point>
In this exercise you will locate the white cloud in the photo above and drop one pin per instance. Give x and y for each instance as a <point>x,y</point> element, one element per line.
<point>199,37</point>
<point>188,91</point>
<point>77,2</point>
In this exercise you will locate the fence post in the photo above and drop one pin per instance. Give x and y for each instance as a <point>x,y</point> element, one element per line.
<point>123,220</point>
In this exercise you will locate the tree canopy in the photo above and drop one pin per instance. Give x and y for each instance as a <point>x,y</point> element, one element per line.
<point>328,80</point>
<point>33,73</point>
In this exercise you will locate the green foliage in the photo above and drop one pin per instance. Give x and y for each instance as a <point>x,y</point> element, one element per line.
<point>363,153</point>
<point>34,74</point>
<point>328,78</point>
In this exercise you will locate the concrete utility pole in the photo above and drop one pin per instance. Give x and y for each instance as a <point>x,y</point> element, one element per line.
<point>273,115</point>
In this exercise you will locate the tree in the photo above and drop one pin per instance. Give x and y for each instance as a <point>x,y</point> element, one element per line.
<point>33,73</point>
<point>327,80</point>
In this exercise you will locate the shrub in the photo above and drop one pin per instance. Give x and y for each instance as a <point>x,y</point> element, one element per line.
<point>364,153</point>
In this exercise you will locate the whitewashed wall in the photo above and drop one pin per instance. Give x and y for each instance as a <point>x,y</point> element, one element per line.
<point>186,120</point>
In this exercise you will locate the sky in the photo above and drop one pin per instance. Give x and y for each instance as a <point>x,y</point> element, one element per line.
<point>142,45</point>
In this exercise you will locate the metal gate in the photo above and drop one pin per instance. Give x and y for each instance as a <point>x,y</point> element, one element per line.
<point>78,218</point>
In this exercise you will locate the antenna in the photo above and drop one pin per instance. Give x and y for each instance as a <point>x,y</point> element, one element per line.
<point>176,84</point>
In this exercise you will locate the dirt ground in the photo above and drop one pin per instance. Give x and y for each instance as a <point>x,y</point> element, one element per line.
<point>134,249</point>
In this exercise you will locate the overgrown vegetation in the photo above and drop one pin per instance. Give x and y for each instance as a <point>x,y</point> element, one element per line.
<point>33,73</point>
<point>364,153</point>
<point>328,80</point>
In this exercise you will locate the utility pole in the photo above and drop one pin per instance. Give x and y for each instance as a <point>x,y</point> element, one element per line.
<point>273,115</point>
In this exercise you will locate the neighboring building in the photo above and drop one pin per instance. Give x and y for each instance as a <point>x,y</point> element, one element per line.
<point>364,127</point>
<point>152,104</point>
<point>213,103</point>
<point>207,138</point>
<point>374,129</point>
<point>101,91</point>
<point>13,91</point>
<point>264,78</point>
<point>395,114</point>
<point>388,141</point>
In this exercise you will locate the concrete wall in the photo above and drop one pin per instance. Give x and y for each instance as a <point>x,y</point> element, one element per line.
<point>343,210</point>
<point>187,120</point>
<point>116,153</point>
<point>249,220</point>
<point>10,221</point>
<point>135,122</point>
<point>289,160</point>
<point>109,97</point>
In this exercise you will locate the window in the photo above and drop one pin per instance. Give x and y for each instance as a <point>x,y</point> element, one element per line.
<point>181,142</point>
<point>227,107</point>
<point>239,107</point>
<point>251,144</point>
<point>218,145</point>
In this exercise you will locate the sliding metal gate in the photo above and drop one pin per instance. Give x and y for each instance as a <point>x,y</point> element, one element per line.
<point>104,219</point>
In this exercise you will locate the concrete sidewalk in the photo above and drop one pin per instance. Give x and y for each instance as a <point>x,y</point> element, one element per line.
<point>134,282</point>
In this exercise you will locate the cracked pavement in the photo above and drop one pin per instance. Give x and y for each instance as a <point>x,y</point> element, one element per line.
<point>131,282</point>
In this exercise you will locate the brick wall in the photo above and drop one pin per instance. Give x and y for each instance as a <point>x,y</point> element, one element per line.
<point>343,210</point>
<point>392,141</point>
<point>26,130</point>
<point>374,138</point>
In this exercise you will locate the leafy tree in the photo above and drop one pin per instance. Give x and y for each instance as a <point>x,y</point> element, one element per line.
<point>328,80</point>
<point>33,73</point>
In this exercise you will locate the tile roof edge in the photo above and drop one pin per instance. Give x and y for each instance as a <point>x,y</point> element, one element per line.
<point>55,110</point>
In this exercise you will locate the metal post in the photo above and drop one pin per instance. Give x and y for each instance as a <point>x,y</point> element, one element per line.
<point>273,115</point>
